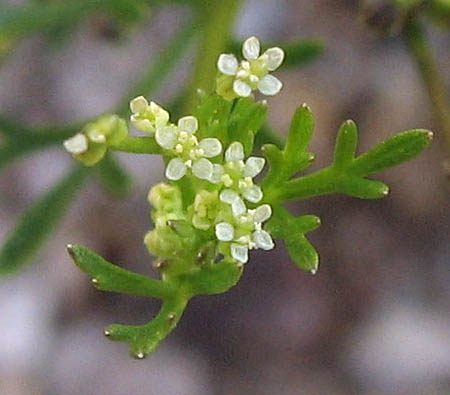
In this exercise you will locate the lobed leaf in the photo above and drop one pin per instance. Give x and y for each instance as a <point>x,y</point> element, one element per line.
<point>398,149</point>
<point>109,277</point>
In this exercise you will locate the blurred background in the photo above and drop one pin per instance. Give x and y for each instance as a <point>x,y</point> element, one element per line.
<point>375,319</point>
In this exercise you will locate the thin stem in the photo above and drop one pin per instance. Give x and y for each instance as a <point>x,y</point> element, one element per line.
<point>166,60</point>
<point>419,47</point>
<point>216,22</point>
<point>137,145</point>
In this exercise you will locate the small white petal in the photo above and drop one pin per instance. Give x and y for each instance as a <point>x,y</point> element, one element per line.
<point>238,207</point>
<point>202,169</point>
<point>176,169</point>
<point>76,144</point>
<point>142,124</point>
<point>253,194</point>
<point>224,231</point>
<point>211,147</point>
<point>166,137</point>
<point>275,57</point>
<point>188,124</point>
<point>228,196</point>
<point>217,173</point>
<point>251,48</point>
<point>262,213</point>
<point>253,166</point>
<point>241,88</point>
<point>161,115</point>
<point>263,240</point>
<point>227,64</point>
<point>269,85</point>
<point>234,152</point>
<point>239,252</point>
<point>138,104</point>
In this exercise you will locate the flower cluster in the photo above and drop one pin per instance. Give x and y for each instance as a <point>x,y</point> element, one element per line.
<point>239,80</point>
<point>90,145</point>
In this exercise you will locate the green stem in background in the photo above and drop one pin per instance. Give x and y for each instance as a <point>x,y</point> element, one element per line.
<point>166,60</point>
<point>215,23</point>
<point>417,42</point>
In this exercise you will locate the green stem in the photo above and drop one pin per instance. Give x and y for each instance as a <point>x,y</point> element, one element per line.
<point>419,47</point>
<point>323,182</point>
<point>144,339</point>
<point>137,145</point>
<point>215,24</point>
<point>166,60</point>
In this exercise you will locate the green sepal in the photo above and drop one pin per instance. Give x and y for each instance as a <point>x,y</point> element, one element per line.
<point>109,277</point>
<point>37,223</point>
<point>284,225</point>
<point>398,149</point>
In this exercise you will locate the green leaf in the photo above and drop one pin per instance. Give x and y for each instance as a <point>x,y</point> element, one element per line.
<point>37,223</point>
<point>292,230</point>
<point>295,156</point>
<point>346,142</point>
<point>398,149</point>
<point>212,114</point>
<point>245,120</point>
<point>144,339</point>
<point>297,53</point>
<point>363,188</point>
<point>113,176</point>
<point>109,277</point>
<point>214,279</point>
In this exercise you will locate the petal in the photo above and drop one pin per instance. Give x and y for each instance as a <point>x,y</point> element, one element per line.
<point>224,231</point>
<point>228,196</point>
<point>238,207</point>
<point>138,104</point>
<point>211,147</point>
<point>234,152</point>
<point>241,88</point>
<point>202,169</point>
<point>253,194</point>
<point>263,240</point>
<point>227,64</point>
<point>77,144</point>
<point>269,85</point>
<point>262,213</point>
<point>166,137</point>
<point>253,166</point>
<point>188,124</point>
<point>251,48</point>
<point>176,169</point>
<point>275,57</point>
<point>142,124</point>
<point>239,252</point>
<point>217,173</point>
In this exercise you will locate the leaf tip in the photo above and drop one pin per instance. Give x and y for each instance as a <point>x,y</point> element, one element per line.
<point>306,107</point>
<point>429,134</point>
<point>70,249</point>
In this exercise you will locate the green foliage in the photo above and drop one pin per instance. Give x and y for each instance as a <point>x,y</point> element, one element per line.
<point>345,175</point>
<point>38,221</point>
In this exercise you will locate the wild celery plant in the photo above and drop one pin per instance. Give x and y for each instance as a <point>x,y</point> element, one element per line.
<point>212,211</point>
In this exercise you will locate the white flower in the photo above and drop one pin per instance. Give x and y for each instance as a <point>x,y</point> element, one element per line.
<point>253,72</point>
<point>188,151</point>
<point>247,220</point>
<point>239,174</point>
<point>77,144</point>
<point>147,117</point>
